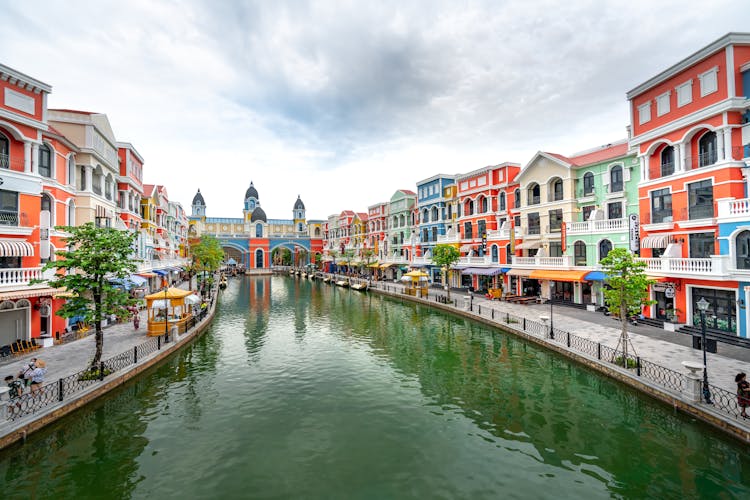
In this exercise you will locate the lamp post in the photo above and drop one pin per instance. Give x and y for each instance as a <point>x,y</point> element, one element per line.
<point>551,320</point>
<point>703,307</point>
<point>166,315</point>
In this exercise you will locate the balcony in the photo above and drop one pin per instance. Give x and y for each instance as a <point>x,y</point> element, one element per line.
<point>476,261</point>
<point>715,267</point>
<point>21,277</point>
<point>11,163</point>
<point>448,238</point>
<point>534,230</point>
<point>597,226</point>
<point>701,160</point>
<point>148,265</point>
<point>729,209</point>
<point>565,261</point>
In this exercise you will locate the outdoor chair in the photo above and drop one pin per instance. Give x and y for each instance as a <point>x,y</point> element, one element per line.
<point>17,349</point>
<point>5,351</point>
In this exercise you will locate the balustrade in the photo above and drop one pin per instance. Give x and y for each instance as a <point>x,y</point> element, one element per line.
<point>19,276</point>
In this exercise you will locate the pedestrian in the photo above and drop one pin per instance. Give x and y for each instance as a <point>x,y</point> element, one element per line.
<point>743,393</point>
<point>136,320</point>
<point>37,376</point>
<point>15,385</point>
<point>26,371</point>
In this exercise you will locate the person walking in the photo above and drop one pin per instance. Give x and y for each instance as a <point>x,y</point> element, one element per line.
<point>37,376</point>
<point>743,393</point>
<point>26,371</point>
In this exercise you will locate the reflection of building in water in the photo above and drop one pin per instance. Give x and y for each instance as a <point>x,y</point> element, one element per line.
<point>253,239</point>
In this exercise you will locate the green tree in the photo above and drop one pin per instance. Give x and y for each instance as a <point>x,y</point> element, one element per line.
<point>206,254</point>
<point>627,290</point>
<point>445,256</point>
<point>96,255</point>
<point>349,255</point>
<point>368,257</point>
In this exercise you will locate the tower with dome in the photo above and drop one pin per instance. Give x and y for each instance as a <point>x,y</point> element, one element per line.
<point>253,239</point>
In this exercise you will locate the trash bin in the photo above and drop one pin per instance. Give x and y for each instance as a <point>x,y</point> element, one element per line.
<point>710,344</point>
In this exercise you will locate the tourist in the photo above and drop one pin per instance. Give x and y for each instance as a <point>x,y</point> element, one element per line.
<point>15,385</point>
<point>136,320</point>
<point>26,371</point>
<point>37,376</point>
<point>743,393</point>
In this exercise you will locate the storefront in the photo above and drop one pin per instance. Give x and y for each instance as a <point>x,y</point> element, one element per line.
<point>521,283</point>
<point>563,285</point>
<point>722,310</point>
<point>664,298</point>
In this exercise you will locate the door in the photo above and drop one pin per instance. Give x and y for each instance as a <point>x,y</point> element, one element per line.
<point>13,326</point>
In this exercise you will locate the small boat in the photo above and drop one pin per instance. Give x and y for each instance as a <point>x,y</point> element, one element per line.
<point>304,275</point>
<point>223,284</point>
<point>343,283</point>
<point>327,279</point>
<point>359,286</point>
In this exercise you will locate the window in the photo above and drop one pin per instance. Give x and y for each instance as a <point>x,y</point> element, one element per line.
<point>501,202</point>
<point>667,161</point>
<point>532,195</point>
<point>8,208</point>
<point>701,245</point>
<point>555,220</point>
<point>494,253</point>
<point>45,161</point>
<point>517,198</point>
<point>258,230</point>
<point>508,254</point>
<point>434,214</point>
<point>701,200</point>
<point>616,179</point>
<point>4,152</point>
<point>685,93</point>
<point>708,81</point>
<point>662,104</point>
<point>707,149</point>
<point>557,190</point>
<point>586,211</point>
<point>604,248</point>
<point>614,211</point>
<point>722,311</point>
<point>579,253</point>
<point>425,235</point>
<point>469,207</point>
<point>482,204</point>
<point>517,221</point>
<point>555,249</point>
<point>481,228</point>
<point>644,113</point>
<point>588,183</point>
<point>468,234</point>
<point>71,213</point>
<point>425,216</point>
<point>434,233</point>
<point>742,250</point>
<point>533,220</point>
<point>661,206</point>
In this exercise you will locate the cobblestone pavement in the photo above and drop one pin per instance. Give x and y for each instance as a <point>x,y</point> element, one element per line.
<point>73,356</point>
<point>668,349</point>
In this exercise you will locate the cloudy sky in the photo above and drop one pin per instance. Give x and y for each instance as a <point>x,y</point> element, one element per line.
<point>345,102</point>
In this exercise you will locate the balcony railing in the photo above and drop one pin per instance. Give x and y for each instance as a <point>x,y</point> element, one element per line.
<point>16,277</point>
<point>447,238</point>
<point>717,265</point>
<point>11,163</point>
<point>597,226</point>
<point>546,262</point>
<point>701,160</point>
<point>8,218</point>
<point>554,228</point>
<point>475,260</point>
<point>535,230</point>
<point>734,208</point>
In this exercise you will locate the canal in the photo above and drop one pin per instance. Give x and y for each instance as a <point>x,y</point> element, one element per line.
<point>300,389</point>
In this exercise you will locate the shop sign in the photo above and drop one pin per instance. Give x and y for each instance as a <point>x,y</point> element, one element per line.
<point>634,232</point>
<point>669,293</point>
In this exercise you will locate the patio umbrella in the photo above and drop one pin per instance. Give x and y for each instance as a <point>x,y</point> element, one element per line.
<point>192,299</point>
<point>417,274</point>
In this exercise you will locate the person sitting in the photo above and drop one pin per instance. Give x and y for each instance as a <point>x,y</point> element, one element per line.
<point>15,385</point>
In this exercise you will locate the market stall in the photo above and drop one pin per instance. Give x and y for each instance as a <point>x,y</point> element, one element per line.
<point>168,310</point>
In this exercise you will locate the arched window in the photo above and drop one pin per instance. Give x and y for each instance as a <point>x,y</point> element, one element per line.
<point>81,174</point>
<point>495,256</point>
<point>71,213</point>
<point>45,161</point>
<point>742,248</point>
<point>49,205</point>
<point>71,174</point>
<point>425,216</point>
<point>588,183</point>
<point>450,211</point>
<point>501,202</point>
<point>616,179</point>
<point>434,214</point>
<point>299,227</point>
<point>108,185</point>
<point>508,254</point>
<point>469,207</point>
<point>259,258</point>
<point>395,221</point>
<point>259,230</point>
<point>317,232</point>
<point>667,161</point>
<point>532,194</point>
<point>707,149</point>
<point>517,198</point>
<point>579,253</point>
<point>482,204</point>
<point>604,247</point>
<point>4,152</point>
<point>402,221</point>
<point>556,189</point>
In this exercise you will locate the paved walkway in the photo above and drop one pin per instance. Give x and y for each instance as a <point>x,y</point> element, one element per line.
<point>665,348</point>
<point>71,357</point>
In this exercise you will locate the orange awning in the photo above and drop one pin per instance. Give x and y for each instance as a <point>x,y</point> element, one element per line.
<point>554,275</point>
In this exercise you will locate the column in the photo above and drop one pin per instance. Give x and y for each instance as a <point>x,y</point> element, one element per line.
<point>728,144</point>
<point>35,158</point>
<point>644,168</point>
<point>27,157</point>
<point>683,159</point>
<point>677,152</point>
<point>720,150</point>
<point>89,174</point>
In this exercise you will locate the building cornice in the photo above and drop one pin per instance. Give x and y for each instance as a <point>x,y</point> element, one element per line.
<point>23,81</point>
<point>708,50</point>
<point>30,122</point>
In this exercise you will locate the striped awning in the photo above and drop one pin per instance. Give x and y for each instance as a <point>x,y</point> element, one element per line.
<point>655,241</point>
<point>16,248</point>
<point>30,292</point>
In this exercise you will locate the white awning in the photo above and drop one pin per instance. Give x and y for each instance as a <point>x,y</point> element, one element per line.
<point>16,248</point>
<point>529,245</point>
<point>466,248</point>
<point>655,241</point>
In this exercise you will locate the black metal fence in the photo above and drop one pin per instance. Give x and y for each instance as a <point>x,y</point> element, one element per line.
<point>723,401</point>
<point>31,402</point>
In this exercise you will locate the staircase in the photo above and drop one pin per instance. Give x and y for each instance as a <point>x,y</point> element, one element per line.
<point>657,323</point>
<point>717,335</point>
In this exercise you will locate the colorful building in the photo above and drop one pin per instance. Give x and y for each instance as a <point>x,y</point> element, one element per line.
<point>433,219</point>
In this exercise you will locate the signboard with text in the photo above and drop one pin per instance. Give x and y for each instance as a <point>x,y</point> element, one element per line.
<point>634,233</point>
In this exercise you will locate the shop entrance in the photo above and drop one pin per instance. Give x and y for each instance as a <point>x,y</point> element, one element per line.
<point>722,310</point>
<point>530,287</point>
<point>563,290</point>
<point>664,297</point>
<point>586,293</point>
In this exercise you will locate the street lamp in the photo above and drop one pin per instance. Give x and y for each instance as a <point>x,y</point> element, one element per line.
<point>551,320</point>
<point>703,307</point>
<point>166,315</point>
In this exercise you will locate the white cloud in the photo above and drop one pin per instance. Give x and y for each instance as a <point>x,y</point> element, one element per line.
<point>345,102</point>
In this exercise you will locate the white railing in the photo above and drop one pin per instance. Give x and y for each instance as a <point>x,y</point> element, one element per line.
<point>597,226</point>
<point>474,260</point>
<point>422,260</point>
<point>22,276</point>
<point>498,234</point>
<point>147,265</point>
<point>734,208</point>
<point>715,265</point>
<point>447,238</point>
<point>546,262</point>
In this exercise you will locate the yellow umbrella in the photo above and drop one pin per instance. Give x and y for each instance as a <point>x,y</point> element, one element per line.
<point>171,293</point>
<point>417,274</point>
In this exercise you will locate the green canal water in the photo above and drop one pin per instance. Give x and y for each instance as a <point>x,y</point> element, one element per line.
<point>303,390</point>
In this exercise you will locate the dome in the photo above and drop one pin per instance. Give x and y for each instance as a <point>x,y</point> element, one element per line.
<point>198,199</point>
<point>251,192</point>
<point>298,205</point>
<point>258,215</point>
